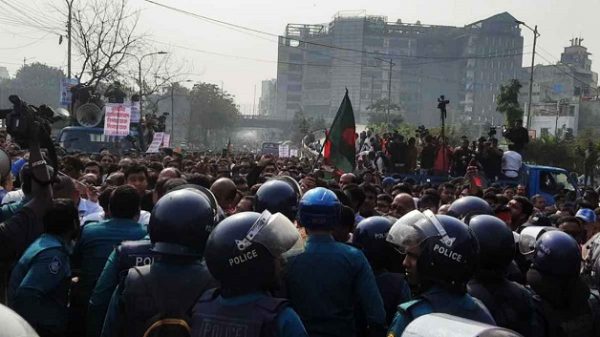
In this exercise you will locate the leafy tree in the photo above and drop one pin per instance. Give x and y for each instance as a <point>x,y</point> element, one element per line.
<point>212,110</point>
<point>35,83</point>
<point>378,114</point>
<point>508,102</point>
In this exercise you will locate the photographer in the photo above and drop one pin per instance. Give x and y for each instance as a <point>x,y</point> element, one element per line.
<point>518,135</point>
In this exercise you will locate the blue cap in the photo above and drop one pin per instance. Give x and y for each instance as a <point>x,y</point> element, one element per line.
<point>587,215</point>
<point>388,181</point>
<point>16,166</point>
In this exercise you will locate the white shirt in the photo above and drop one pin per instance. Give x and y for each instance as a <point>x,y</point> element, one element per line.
<point>144,218</point>
<point>511,164</point>
<point>13,196</point>
<point>87,207</point>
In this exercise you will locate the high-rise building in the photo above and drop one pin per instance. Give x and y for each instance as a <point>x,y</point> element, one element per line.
<point>3,73</point>
<point>268,98</point>
<point>356,51</point>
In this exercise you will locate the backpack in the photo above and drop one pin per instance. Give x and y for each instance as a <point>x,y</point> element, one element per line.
<point>166,323</point>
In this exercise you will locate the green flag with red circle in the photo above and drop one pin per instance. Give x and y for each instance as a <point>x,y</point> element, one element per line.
<point>340,150</point>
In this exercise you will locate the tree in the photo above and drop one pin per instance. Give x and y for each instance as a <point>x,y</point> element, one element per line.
<point>35,83</point>
<point>212,110</point>
<point>378,113</point>
<point>103,35</point>
<point>508,102</point>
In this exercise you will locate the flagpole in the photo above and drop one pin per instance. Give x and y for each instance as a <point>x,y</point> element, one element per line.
<point>327,136</point>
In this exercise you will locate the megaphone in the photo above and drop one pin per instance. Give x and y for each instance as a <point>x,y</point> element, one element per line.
<point>4,164</point>
<point>89,115</point>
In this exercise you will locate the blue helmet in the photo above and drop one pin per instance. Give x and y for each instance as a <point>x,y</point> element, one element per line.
<point>388,181</point>
<point>181,222</point>
<point>277,196</point>
<point>369,236</point>
<point>496,242</point>
<point>467,207</point>
<point>319,209</point>
<point>557,253</point>
<point>449,249</point>
<point>241,252</point>
<point>586,215</point>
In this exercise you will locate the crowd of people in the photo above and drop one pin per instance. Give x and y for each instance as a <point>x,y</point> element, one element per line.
<point>255,245</point>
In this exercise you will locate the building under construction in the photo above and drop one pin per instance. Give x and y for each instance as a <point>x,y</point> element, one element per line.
<point>357,51</point>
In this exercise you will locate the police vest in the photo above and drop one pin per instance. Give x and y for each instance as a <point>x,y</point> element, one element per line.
<point>152,290</point>
<point>510,304</point>
<point>442,302</point>
<point>134,254</point>
<point>254,319</point>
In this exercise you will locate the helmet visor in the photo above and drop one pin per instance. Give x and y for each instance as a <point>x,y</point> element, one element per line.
<point>413,228</point>
<point>273,231</point>
<point>529,236</point>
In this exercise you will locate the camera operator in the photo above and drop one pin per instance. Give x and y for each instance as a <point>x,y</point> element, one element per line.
<point>518,135</point>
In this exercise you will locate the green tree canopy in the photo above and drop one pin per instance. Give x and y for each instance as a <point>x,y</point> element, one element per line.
<point>508,101</point>
<point>212,110</point>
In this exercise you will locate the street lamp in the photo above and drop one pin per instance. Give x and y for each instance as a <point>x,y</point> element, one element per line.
<point>536,34</point>
<point>139,61</point>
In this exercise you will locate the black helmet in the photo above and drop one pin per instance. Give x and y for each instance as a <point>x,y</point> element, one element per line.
<point>181,222</point>
<point>467,207</point>
<point>241,251</point>
<point>277,196</point>
<point>449,250</point>
<point>369,236</point>
<point>496,242</point>
<point>558,254</point>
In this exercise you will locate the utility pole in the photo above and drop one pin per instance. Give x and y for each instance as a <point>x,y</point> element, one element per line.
<point>536,34</point>
<point>69,25</point>
<point>389,103</point>
<point>172,113</point>
<point>254,103</point>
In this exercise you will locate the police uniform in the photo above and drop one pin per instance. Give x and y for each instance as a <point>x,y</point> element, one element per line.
<point>95,245</point>
<point>127,255</point>
<point>325,281</point>
<point>250,315</point>
<point>439,301</point>
<point>134,302</point>
<point>39,285</point>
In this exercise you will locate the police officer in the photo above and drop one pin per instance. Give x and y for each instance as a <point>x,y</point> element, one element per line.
<point>131,254</point>
<point>327,278</point>
<point>511,304</point>
<point>565,298</point>
<point>467,207</point>
<point>277,196</point>
<point>244,254</point>
<point>369,236</point>
<point>39,283</point>
<point>177,278</point>
<point>441,256</point>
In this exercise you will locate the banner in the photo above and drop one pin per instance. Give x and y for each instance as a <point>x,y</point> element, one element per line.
<point>135,112</point>
<point>65,91</point>
<point>284,151</point>
<point>166,140</point>
<point>117,117</point>
<point>156,142</point>
<point>293,152</point>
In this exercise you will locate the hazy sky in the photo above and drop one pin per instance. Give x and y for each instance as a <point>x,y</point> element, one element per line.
<point>558,22</point>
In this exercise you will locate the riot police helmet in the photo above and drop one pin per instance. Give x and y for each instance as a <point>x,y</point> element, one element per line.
<point>449,250</point>
<point>277,196</point>
<point>319,209</point>
<point>557,254</point>
<point>242,251</point>
<point>370,237</point>
<point>496,242</point>
<point>438,324</point>
<point>14,325</point>
<point>467,207</point>
<point>181,222</point>
<point>528,238</point>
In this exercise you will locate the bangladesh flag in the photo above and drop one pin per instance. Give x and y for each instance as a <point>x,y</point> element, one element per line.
<point>340,150</point>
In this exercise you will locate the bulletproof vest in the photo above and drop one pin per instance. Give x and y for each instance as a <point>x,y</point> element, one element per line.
<point>134,254</point>
<point>255,319</point>
<point>443,303</point>
<point>565,324</point>
<point>510,304</point>
<point>392,289</point>
<point>161,288</point>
